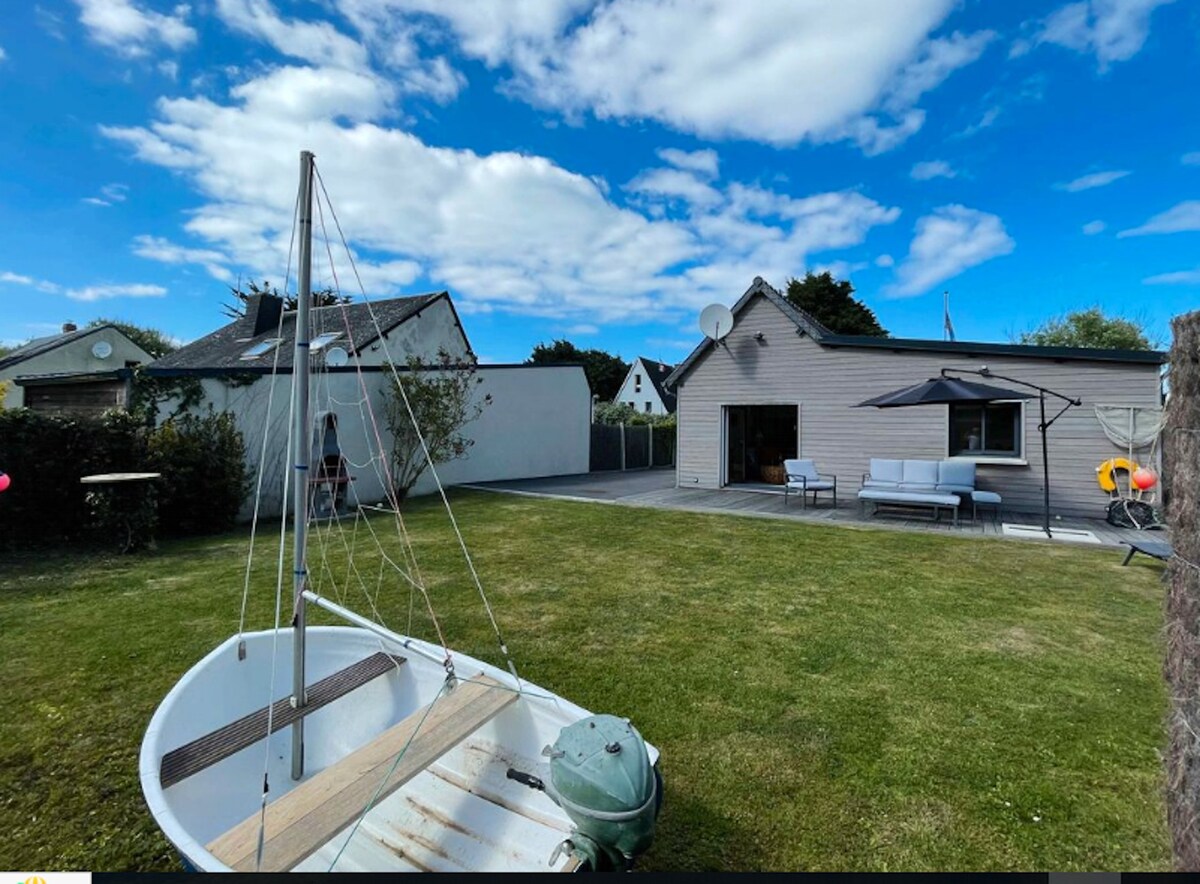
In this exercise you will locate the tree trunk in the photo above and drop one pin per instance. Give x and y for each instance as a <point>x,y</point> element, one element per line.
<point>1181,464</point>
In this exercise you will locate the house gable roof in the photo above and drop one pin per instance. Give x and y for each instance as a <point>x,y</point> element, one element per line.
<point>38,346</point>
<point>807,324</point>
<point>658,372</point>
<point>223,349</point>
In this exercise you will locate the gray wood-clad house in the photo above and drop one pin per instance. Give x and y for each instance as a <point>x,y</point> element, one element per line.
<point>781,385</point>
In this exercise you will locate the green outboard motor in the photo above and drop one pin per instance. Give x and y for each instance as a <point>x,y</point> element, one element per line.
<point>601,775</point>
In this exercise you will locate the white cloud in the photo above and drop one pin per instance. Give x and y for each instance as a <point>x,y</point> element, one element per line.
<point>840,269</point>
<point>951,240</point>
<point>774,71</point>
<point>318,43</point>
<point>705,162</point>
<point>674,184</point>
<point>504,231</point>
<point>1179,277</point>
<point>1087,182</point>
<point>87,293</point>
<point>1191,159</point>
<point>932,169</point>
<point>583,328</point>
<point>109,194</point>
<point>159,249</point>
<point>885,261</point>
<point>1177,219</point>
<point>41,285</point>
<point>984,122</point>
<point>1112,30</point>
<point>3,54</point>
<point>169,69</point>
<point>1094,227</point>
<point>104,292</point>
<point>123,26</point>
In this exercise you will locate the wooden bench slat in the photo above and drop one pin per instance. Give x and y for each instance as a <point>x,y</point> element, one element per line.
<point>308,816</point>
<point>205,751</point>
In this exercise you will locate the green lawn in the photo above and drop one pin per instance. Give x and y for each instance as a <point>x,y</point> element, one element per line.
<point>824,698</point>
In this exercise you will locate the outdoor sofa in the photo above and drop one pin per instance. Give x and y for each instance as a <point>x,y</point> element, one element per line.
<point>936,484</point>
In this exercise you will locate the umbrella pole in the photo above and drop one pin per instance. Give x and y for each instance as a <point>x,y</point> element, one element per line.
<point>1045,466</point>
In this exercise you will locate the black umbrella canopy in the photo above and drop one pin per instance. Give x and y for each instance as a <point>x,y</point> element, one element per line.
<point>941,391</point>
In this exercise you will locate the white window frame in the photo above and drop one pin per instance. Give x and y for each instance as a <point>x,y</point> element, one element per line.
<point>262,348</point>
<point>323,340</point>
<point>1017,460</point>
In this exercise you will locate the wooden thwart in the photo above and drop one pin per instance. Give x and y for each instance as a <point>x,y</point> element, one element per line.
<point>205,751</point>
<point>307,817</point>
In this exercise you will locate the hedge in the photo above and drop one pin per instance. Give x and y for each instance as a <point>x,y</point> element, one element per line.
<point>201,457</point>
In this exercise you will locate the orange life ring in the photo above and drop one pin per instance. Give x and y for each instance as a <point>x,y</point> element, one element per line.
<point>1106,473</point>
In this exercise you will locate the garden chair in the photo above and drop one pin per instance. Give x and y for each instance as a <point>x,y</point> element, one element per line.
<point>802,476</point>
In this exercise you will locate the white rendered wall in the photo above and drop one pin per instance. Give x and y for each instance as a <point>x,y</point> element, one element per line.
<point>537,425</point>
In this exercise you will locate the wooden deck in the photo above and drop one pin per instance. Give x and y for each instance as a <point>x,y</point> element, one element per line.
<point>768,502</point>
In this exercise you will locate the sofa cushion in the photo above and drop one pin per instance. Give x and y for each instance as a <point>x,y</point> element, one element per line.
<point>883,470</point>
<point>955,489</point>
<point>920,472</point>
<point>959,473</point>
<point>876,483</point>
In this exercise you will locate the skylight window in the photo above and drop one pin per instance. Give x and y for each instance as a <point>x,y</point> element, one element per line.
<point>322,341</point>
<point>262,348</point>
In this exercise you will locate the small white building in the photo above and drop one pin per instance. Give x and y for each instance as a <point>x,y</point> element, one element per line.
<point>76,371</point>
<point>643,388</point>
<point>537,423</point>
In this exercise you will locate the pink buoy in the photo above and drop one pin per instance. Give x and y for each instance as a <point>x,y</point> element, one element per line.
<point>5,481</point>
<point>1144,479</point>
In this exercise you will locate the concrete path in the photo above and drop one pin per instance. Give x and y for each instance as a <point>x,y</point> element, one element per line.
<point>656,489</point>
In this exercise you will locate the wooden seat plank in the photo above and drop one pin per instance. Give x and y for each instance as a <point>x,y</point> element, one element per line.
<point>308,816</point>
<point>205,751</point>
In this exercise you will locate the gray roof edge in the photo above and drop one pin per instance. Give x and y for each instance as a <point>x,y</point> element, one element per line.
<point>803,321</point>
<point>823,336</point>
<point>79,334</point>
<point>1023,351</point>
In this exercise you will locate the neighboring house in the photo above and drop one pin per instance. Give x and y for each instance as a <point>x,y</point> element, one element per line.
<point>79,371</point>
<point>537,425</point>
<point>781,385</point>
<point>644,388</point>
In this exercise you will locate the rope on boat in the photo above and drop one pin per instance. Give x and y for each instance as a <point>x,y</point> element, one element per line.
<point>420,436</point>
<point>389,489</point>
<point>388,775</point>
<point>262,454</point>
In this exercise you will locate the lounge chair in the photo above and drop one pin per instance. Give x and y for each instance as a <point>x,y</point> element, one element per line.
<point>802,476</point>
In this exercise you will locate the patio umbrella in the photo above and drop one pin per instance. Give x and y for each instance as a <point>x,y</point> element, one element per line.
<point>942,391</point>
<point>947,389</point>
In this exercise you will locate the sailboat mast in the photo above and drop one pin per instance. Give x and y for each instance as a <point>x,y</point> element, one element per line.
<point>300,451</point>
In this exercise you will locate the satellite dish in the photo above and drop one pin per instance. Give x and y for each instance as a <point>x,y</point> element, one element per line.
<point>336,356</point>
<point>716,321</point>
<point>102,349</point>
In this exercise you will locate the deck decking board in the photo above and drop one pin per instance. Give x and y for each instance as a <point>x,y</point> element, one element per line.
<point>302,820</point>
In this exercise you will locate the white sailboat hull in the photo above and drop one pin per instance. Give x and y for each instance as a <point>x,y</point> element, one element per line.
<point>459,814</point>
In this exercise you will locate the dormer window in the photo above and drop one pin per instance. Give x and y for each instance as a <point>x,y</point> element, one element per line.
<point>637,383</point>
<point>262,348</point>
<point>322,341</point>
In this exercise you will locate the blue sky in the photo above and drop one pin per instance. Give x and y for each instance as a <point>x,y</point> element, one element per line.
<point>601,171</point>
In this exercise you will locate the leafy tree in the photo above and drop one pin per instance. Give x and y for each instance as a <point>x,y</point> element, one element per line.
<point>151,340</point>
<point>1089,328</point>
<point>605,372</point>
<point>832,303</point>
<point>624,413</point>
<point>442,402</point>
<point>321,298</point>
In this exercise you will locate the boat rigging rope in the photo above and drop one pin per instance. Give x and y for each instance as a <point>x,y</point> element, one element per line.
<point>262,454</point>
<point>389,489</point>
<point>420,436</point>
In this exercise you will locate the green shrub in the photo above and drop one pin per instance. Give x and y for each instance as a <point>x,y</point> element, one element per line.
<point>45,457</point>
<point>202,459</point>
